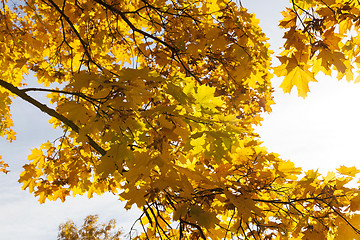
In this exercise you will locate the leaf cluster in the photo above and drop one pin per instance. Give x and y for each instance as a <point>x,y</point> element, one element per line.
<point>90,230</point>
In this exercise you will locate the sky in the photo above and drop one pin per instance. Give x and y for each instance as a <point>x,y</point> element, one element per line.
<point>319,132</point>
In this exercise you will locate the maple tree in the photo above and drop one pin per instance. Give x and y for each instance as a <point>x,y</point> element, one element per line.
<point>90,230</point>
<point>157,102</point>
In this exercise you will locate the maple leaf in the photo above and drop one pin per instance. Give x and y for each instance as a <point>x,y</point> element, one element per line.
<point>331,39</point>
<point>289,19</point>
<point>350,171</point>
<point>203,218</point>
<point>300,78</point>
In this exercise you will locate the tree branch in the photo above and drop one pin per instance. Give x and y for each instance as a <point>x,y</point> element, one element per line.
<point>342,217</point>
<point>275,201</point>
<point>83,43</point>
<point>196,226</point>
<point>78,94</point>
<point>51,112</point>
<point>135,29</point>
<point>175,51</point>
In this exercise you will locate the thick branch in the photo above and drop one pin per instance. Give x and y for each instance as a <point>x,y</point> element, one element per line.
<point>51,112</point>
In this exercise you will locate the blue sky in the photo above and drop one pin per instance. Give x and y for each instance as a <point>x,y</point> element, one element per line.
<point>22,217</point>
<point>321,131</point>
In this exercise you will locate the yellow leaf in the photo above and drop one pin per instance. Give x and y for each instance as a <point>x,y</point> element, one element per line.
<point>331,39</point>
<point>205,97</point>
<point>289,19</point>
<point>81,80</point>
<point>345,232</point>
<point>219,43</point>
<point>329,58</point>
<point>165,122</point>
<point>36,156</point>
<point>349,171</point>
<point>134,195</point>
<point>203,218</point>
<point>344,26</point>
<point>75,111</point>
<point>177,93</point>
<point>198,144</point>
<point>180,212</point>
<point>300,78</point>
<point>245,205</point>
<point>288,169</point>
<point>355,203</point>
<point>329,177</point>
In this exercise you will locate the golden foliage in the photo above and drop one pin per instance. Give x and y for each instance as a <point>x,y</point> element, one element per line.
<point>90,230</point>
<point>157,100</point>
